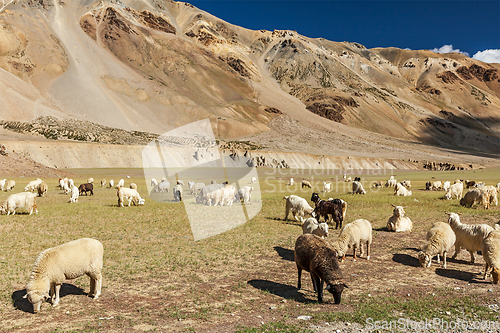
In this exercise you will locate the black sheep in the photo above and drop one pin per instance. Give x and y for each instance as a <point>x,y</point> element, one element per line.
<point>87,187</point>
<point>316,256</point>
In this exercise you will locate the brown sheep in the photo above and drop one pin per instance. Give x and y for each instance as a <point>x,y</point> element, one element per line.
<point>316,256</point>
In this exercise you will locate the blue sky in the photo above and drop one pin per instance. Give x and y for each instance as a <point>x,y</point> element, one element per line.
<point>465,26</point>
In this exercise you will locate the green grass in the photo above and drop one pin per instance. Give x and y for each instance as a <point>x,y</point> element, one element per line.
<point>155,273</point>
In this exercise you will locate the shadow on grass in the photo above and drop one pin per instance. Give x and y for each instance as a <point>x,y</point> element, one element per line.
<point>281,290</point>
<point>23,304</point>
<point>460,275</point>
<point>406,259</point>
<point>285,254</point>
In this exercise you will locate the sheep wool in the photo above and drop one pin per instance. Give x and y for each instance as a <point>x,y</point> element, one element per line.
<point>491,254</point>
<point>67,261</point>
<point>440,239</point>
<point>469,237</point>
<point>353,235</point>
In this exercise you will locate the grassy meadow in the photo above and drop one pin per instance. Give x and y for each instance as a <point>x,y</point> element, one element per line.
<point>157,278</point>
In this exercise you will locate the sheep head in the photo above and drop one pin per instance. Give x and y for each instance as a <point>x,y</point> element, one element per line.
<point>495,273</point>
<point>36,297</point>
<point>424,259</point>
<point>336,290</point>
<point>398,211</point>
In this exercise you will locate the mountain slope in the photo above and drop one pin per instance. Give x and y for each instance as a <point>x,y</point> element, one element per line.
<point>151,66</point>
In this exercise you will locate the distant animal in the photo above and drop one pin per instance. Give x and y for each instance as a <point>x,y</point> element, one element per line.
<point>440,240</point>
<point>87,187</point>
<point>353,235</point>
<point>306,183</point>
<point>15,201</point>
<point>398,222</point>
<point>332,208</point>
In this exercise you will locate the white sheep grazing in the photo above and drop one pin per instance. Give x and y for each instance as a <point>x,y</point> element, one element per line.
<point>32,185</point>
<point>398,222</point>
<point>103,182</point>
<point>254,180</point>
<point>121,183</point>
<point>290,182</point>
<point>61,183</point>
<point>2,184</point>
<point>401,191</point>
<point>244,193</point>
<point>311,226</point>
<point>42,188</point>
<point>476,195</point>
<point>228,194</point>
<point>357,188</point>
<point>177,192</point>
<point>66,188</point>
<point>491,254</point>
<point>90,180</point>
<point>24,200</point>
<point>353,235</point>
<point>298,206</point>
<point>133,186</point>
<point>10,185</point>
<point>492,193</point>
<point>327,187</point>
<point>436,186</point>
<point>70,183</point>
<point>306,183</point>
<point>446,186</point>
<point>455,190</point>
<point>469,236</point>
<point>130,194</point>
<point>440,239</point>
<point>163,186</point>
<point>75,193</point>
<point>212,198</point>
<point>197,187</point>
<point>391,182</point>
<point>111,183</point>
<point>67,261</point>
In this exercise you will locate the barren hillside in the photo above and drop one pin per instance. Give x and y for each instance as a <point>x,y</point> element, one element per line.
<point>145,67</point>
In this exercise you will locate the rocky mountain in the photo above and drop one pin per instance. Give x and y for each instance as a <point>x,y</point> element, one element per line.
<point>149,66</point>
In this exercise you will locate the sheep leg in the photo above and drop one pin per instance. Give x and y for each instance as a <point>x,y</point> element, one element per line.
<point>485,271</point>
<point>444,259</point>
<point>319,284</point>
<point>361,250</point>
<point>287,212</point>
<point>457,251</point>
<point>299,284</point>
<point>368,250</point>
<point>55,302</point>
<point>354,248</point>
<point>472,259</point>
<point>315,287</point>
<point>438,258</point>
<point>95,285</point>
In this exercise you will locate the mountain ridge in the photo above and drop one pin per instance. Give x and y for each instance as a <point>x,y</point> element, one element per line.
<point>151,66</point>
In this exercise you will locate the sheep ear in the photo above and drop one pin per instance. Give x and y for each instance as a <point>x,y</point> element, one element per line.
<point>328,287</point>
<point>25,296</point>
<point>345,285</point>
<point>393,205</point>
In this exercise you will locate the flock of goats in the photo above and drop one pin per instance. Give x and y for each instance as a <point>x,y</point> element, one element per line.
<point>320,258</point>
<point>312,252</point>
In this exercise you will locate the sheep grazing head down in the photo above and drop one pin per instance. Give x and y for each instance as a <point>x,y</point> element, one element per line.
<point>425,260</point>
<point>336,290</point>
<point>36,297</point>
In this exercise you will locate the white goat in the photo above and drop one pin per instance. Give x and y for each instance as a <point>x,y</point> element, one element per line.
<point>402,191</point>
<point>398,222</point>
<point>298,206</point>
<point>454,190</point>
<point>244,193</point>
<point>357,188</point>
<point>75,193</point>
<point>32,185</point>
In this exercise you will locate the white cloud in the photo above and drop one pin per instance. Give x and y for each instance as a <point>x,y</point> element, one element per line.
<point>488,56</point>
<point>448,49</point>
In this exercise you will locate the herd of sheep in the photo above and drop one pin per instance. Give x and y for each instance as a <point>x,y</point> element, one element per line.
<point>311,252</point>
